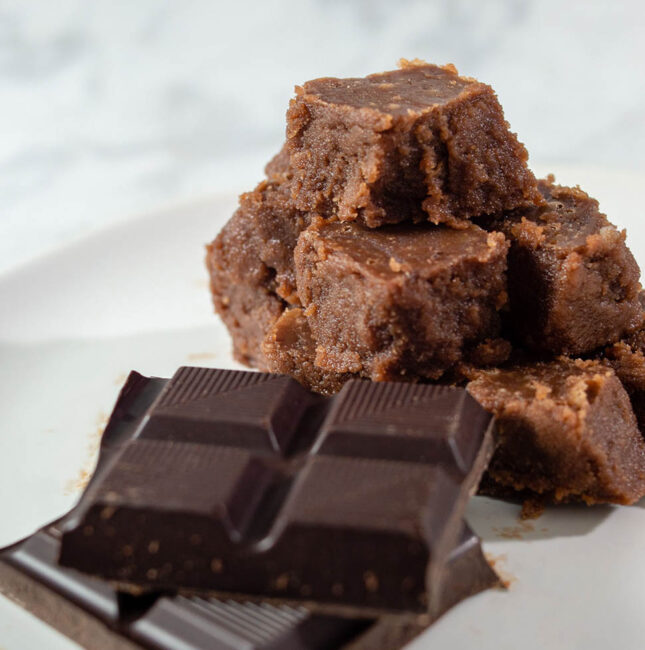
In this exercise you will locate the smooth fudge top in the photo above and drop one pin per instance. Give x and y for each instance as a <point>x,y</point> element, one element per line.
<point>406,250</point>
<point>566,382</point>
<point>568,218</point>
<point>414,89</point>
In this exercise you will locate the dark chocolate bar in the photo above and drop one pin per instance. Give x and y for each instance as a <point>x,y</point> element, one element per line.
<point>93,613</point>
<point>246,483</point>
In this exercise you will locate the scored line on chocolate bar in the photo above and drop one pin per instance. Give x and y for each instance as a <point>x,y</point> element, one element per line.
<point>276,414</point>
<point>230,407</point>
<point>212,497</point>
<point>192,383</point>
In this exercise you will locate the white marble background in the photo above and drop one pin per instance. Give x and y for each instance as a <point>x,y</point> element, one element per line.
<point>114,107</point>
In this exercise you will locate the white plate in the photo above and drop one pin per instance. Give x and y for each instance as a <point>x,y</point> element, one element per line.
<point>136,297</point>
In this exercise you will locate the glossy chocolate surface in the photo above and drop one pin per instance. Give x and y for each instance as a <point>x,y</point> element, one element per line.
<point>96,615</point>
<point>247,483</point>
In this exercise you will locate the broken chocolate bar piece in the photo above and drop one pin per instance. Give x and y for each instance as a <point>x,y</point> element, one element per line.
<point>247,483</point>
<point>573,283</point>
<point>416,143</point>
<point>94,614</point>
<point>401,302</point>
<point>566,432</point>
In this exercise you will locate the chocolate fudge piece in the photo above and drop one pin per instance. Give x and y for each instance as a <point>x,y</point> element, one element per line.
<point>416,143</point>
<point>566,431</point>
<point>232,480</point>
<point>401,302</point>
<point>289,349</point>
<point>573,283</point>
<point>251,265</point>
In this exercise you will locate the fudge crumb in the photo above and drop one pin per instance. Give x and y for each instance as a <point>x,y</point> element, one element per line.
<point>201,356</point>
<point>515,532</point>
<point>532,509</point>
<point>80,482</point>
<point>497,562</point>
<point>282,582</point>
<point>371,581</point>
<point>107,512</point>
<point>542,391</point>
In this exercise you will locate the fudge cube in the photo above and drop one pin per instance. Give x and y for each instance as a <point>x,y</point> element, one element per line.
<point>251,266</point>
<point>566,432</point>
<point>416,143</point>
<point>573,283</point>
<point>400,302</point>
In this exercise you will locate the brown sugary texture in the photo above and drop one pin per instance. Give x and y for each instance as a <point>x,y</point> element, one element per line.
<point>289,349</point>
<point>277,169</point>
<point>402,302</point>
<point>411,144</point>
<point>573,283</point>
<point>566,431</point>
<point>627,358</point>
<point>251,266</point>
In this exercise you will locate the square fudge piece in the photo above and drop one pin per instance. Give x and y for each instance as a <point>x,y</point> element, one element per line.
<point>401,302</point>
<point>251,264</point>
<point>566,432</point>
<point>573,283</point>
<point>416,143</point>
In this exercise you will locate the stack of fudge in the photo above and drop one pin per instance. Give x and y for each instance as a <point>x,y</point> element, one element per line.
<point>399,235</point>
